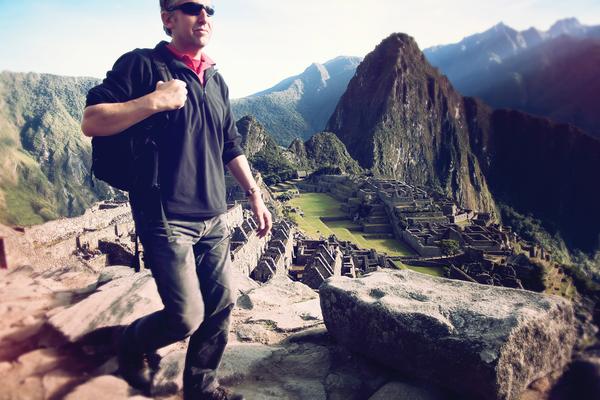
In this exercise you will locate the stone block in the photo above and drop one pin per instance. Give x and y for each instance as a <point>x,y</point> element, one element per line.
<point>484,341</point>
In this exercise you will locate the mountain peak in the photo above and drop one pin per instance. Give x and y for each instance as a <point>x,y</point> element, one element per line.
<point>399,38</point>
<point>397,46</point>
<point>566,26</point>
<point>300,105</point>
<point>500,27</point>
<point>316,70</point>
<point>342,63</point>
<point>402,119</point>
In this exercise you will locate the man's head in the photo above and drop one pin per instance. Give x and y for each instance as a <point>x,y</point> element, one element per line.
<point>188,22</point>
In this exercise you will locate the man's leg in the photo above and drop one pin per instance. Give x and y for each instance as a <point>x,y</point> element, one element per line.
<point>207,344</point>
<point>173,266</point>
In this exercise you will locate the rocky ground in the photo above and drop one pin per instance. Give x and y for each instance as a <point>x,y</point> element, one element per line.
<point>52,344</point>
<point>56,321</point>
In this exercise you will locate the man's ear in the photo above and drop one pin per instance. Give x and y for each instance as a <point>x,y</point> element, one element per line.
<point>166,18</point>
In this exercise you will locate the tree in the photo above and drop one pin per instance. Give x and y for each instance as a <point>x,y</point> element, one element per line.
<point>450,247</point>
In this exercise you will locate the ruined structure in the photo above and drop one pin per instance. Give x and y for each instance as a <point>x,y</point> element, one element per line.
<point>467,244</point>
<point>317,260</point>
<point>277,257</point>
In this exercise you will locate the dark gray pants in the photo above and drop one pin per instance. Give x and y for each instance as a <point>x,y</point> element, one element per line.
<point>192,269</point>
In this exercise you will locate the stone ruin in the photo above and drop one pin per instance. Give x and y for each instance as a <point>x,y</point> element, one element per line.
<point>426,221</point>
<point>277,257</point>
<point>317,260</point>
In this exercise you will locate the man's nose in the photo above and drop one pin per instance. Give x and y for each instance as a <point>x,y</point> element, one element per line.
<point>203,15</point>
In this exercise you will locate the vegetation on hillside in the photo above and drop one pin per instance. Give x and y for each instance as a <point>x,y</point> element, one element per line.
<point>44,172</point>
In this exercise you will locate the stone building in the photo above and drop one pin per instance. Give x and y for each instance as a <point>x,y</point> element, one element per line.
<point>317,260</point>
<point>325,261</point>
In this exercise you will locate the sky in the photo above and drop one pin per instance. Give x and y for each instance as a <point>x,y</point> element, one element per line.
<point>256,43</point>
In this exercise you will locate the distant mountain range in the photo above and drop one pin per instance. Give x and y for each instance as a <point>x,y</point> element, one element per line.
<point>465,62</point>
<point>548,73</point>
<point>402,119</point>
<point>300,106</point>
<point>552,73</point>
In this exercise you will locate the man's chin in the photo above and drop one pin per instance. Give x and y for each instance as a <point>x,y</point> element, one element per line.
<point>201,41</point>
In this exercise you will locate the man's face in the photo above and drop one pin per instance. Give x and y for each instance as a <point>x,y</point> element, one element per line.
<point>190,32</point>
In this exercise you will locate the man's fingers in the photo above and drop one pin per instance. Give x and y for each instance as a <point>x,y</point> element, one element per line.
<point>265,223</point>
<point>159,84</point>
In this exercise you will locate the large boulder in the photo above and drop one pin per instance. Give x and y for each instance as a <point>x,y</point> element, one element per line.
<point>119,302</point>
<point>483,341</point>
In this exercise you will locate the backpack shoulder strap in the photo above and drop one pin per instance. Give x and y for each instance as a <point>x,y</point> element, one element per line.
<point>161,66</point>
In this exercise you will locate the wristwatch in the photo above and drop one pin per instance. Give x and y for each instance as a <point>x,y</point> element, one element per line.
<point>252,190</point>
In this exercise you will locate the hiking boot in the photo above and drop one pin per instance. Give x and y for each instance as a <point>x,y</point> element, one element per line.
<point>220,393</point>
<point>133,367</point>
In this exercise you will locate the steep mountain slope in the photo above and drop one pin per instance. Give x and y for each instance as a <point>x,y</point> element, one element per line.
<point>300,105</point>
<point>45,159</point>
<point>264,154</point>
<point>558,79</point>
<point>402,119</point>
<point>254,136</point>
<point>541,168</point>
<point>323,150</point>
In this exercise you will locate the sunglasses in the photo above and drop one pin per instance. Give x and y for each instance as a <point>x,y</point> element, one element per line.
<point>193,9</point>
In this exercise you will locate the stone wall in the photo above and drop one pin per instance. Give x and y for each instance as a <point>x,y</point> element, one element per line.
<point>66,237</point>
<point>44,244</point>
<point>247,247</point>
<point>415,244</point>
<point>277,257</point>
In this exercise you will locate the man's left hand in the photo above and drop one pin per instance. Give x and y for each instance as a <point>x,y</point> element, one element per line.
<point>261,214</point>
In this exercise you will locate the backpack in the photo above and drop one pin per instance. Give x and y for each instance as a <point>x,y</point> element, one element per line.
<point>120,160</point>
<point>125,159</point>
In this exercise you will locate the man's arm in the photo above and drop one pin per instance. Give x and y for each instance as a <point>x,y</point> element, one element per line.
<point>240,170</point>
<point>111,118</point>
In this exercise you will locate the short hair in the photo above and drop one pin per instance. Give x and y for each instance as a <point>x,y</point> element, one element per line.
<point>164,5</point>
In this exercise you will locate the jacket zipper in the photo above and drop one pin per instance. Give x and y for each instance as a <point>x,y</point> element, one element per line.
<point>212,73</point>
<point>208,77</point>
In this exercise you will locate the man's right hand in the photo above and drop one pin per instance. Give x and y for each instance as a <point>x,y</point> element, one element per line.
<point>107,119</point>
<point>170,95</point>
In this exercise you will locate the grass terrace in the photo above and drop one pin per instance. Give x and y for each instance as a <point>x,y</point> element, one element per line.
<point>317,205</point>
<point>427,270</point>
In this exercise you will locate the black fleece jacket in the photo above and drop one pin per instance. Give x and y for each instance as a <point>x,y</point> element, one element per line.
<point>199,139</point>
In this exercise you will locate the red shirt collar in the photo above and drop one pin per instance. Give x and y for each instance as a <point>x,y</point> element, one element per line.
<point>198,66</point>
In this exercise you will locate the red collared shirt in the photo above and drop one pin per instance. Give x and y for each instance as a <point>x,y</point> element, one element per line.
<point>198,66</point>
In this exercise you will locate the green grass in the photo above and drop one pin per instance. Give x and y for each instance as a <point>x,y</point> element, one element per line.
<point>428,270</point>
<point>316,205</point>
<point>283,187</point>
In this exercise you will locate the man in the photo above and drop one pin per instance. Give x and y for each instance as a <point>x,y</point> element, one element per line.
<point>181,221</point>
